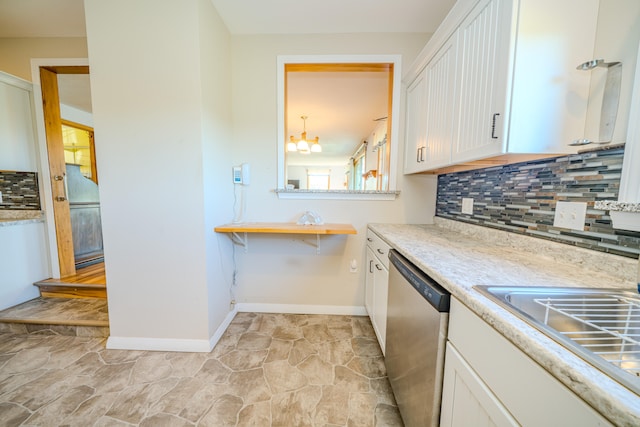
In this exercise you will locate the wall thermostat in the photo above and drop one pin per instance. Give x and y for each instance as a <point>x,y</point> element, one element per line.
<point>241,174</point>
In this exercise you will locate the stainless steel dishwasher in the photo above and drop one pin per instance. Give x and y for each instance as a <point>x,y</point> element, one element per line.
<point>417,321</point>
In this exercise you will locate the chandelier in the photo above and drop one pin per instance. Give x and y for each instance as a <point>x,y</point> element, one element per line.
<point>302,144</point>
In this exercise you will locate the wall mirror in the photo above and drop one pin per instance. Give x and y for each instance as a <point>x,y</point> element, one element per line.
<point>337,125</point>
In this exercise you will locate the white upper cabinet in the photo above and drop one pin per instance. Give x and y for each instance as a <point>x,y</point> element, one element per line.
<point>17,134</point>
<point>415,125</point>
<point>500,80</point>
<point>482,74</point>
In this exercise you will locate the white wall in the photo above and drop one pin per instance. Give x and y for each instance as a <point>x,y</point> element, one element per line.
<point>75,115</point>
<point>157,128</point>
<point>23,256</point>
<point>336,178</point>
<point>286,269</point>
<point>23,261</point>
<point>616,40</point>
<point>16,53</point>
<point>215,76</point>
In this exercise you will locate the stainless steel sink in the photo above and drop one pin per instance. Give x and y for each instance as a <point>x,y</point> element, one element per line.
<point>600,325</point>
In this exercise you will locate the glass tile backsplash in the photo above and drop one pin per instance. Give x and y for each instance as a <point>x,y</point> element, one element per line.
<point>19,190</point>
<point>521,198</point>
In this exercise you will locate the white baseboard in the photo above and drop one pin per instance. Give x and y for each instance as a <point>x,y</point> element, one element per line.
<point>158,344</point>
<point>222,328</point>
<point>169,344</point>
<point>348,310</point>
<point>205,346</point>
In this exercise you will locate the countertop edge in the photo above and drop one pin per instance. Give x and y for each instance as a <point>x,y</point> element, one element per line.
<point>614,401</point>
<point>12,222</point>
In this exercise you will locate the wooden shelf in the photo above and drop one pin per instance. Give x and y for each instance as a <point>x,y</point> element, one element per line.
<point>282,228</point>
<point>285,228</point>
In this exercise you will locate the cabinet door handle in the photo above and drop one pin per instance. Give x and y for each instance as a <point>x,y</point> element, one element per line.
<point>422,150</point>
<point>378,267</point>
<point>380,251</point>
<point>493,126</point>
<point>418,154</point>
<point>370,266</point>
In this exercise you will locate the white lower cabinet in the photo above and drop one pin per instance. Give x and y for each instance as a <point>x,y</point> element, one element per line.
<point>490,382</point>
<point>377,285</point>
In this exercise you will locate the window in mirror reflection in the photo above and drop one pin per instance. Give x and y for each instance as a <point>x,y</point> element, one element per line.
<point>348,108</point>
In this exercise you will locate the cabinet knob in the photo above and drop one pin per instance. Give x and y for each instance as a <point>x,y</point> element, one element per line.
<point>378,267</point>
<point>380,251</point>
<point>369,239</point>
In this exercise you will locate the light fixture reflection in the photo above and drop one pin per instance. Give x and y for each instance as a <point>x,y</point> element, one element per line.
<point>302,144</point>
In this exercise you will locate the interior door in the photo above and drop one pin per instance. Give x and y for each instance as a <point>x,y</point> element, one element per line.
<point>57,167</point>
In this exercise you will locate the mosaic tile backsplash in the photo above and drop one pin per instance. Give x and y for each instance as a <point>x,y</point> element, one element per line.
<point>521,198</point>
<point>19,190</point>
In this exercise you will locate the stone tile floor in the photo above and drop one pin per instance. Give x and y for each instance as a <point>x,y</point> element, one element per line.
<point>267,370</point>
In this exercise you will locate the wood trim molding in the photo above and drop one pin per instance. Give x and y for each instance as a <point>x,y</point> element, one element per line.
<point>55,148</point>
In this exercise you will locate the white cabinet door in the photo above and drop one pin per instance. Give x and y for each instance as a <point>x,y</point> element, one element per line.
<point>466,399</point>
<point>431,102</point>
<point>380,296</point>
<point>368,287</point>
<point>377,285</point>
<point>440,105</point>
<point>416,125</point>
<point>483,56</point>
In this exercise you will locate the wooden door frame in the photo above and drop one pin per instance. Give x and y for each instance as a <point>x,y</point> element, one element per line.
<point>61,259</point>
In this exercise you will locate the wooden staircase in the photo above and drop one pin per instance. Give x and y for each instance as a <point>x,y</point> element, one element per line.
<point>88,282</point>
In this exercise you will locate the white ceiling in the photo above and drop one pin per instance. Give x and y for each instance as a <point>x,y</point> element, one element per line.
<point>332,16</point>
<point>65,18</point>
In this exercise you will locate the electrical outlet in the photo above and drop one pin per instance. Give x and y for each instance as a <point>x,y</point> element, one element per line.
<point>353,266</point>
<point>467,205</point>
<point>570,215</point>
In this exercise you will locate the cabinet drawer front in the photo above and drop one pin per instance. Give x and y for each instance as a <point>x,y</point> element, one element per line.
<point>379,247</point>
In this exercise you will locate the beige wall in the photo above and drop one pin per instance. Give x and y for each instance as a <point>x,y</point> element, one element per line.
<point>16,54</point>
<point>161,101</point>
<point>285,269</point>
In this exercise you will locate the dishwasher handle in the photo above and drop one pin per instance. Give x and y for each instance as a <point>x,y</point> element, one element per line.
<point>428,288</point>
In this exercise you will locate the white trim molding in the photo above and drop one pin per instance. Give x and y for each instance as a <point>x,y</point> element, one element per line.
<point>343,310</point>
<point>172,344</point>
<point>158,344</point>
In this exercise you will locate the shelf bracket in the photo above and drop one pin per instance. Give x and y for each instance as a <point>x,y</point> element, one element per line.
<point>310,242</point>
<point>240,239</point>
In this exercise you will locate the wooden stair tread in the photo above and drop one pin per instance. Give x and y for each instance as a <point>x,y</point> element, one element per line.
<point>100,323</point>
<point>56,283</point>
<point>88,282</point>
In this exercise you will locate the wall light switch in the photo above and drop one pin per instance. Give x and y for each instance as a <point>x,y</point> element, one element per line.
<point>570,215</point>
<point>467,205</point>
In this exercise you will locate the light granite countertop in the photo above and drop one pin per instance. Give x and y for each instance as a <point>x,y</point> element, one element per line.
<point>460,256</point>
